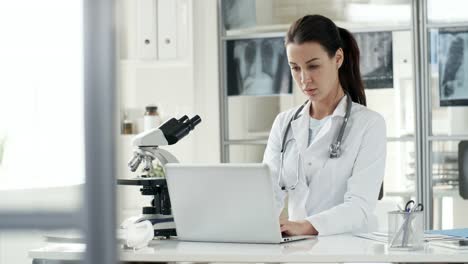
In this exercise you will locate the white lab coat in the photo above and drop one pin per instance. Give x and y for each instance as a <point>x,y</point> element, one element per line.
<point>342,193</point>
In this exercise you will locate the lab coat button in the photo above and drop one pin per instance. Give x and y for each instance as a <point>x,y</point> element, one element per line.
<point>310,163</point>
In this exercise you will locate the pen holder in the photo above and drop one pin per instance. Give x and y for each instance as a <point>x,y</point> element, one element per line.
<point>405,230</point>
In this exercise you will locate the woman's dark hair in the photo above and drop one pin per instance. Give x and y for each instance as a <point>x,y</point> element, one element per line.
<point>322,30</point>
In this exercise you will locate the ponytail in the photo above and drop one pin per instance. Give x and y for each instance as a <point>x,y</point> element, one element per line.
<point>349,72</point>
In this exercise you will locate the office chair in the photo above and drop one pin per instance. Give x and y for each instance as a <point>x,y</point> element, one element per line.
<point>463,169</point>
<point>381,192</point>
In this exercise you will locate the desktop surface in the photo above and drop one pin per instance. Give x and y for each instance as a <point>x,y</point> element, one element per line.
<point>339,248</point>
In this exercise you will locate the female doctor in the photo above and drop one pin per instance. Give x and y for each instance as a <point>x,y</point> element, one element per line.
<point>327,155</point>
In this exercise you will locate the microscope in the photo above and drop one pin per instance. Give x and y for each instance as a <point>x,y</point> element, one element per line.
<point>146,151</point>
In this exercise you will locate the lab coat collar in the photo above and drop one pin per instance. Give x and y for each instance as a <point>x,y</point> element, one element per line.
<point>340,109</point>
<point>300,126</point>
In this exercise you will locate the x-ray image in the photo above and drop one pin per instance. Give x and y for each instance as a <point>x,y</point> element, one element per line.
<point>238,14</point>
<point>376,59</point>
<point>453,58</point>
<point>257,67</point>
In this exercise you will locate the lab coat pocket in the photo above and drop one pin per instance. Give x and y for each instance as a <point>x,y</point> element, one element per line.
<point>315,169</point>
<point>334,175</point>
<point>325,176</point>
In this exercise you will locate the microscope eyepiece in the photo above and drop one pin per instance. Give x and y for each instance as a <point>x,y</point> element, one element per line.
<point>183,119</point>
<point>176,129</point>
<point>195,121</point>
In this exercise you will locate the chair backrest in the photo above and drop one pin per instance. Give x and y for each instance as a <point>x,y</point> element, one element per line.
<point>381,192</point>
<point>463,169</point>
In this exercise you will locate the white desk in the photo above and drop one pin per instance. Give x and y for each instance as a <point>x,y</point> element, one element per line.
<point>341,248</point>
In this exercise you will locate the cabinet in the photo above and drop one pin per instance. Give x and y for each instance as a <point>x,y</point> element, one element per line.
<point>155,30</point>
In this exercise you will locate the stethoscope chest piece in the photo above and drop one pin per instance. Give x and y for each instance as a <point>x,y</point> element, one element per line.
<point>335,151</point>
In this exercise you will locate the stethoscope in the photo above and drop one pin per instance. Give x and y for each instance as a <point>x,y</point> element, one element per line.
<point>334,150</point>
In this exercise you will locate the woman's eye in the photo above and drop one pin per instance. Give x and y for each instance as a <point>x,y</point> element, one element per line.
<point>295,69</point>
<point>312,66</point>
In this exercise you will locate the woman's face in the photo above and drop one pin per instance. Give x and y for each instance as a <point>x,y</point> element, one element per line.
<point>313,70</point>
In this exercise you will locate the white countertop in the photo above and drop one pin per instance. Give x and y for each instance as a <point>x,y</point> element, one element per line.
<point>340,248</point>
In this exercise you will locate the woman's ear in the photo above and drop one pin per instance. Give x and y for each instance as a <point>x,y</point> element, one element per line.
<point>339,56</point>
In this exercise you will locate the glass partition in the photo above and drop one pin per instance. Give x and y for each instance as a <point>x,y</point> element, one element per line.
<point>400,171</point>
<point>450,183</point>
<point>447,11</point>
<point>246,153</point>
<point>448,67</point>
<point>394,97</point>
<point>252,117</point>
<point>256,16</point>
<point>448,80</point>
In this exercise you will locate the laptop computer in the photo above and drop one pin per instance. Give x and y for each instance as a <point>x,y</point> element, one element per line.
<point>224,203</point>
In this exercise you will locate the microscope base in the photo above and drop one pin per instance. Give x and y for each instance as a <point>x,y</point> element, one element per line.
<point>164,226</point>
<point>165,232</point>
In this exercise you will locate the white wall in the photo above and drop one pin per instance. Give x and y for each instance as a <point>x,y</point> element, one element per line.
<point>206,80</point>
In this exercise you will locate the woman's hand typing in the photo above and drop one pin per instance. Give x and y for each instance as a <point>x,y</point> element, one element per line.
<point>295,228</point>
